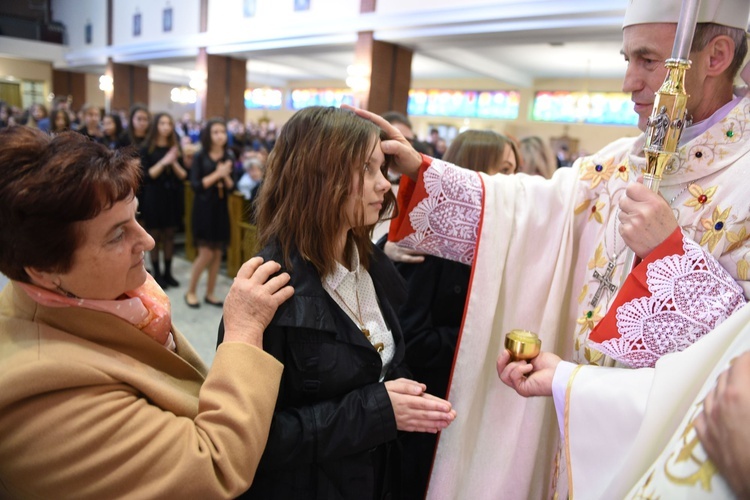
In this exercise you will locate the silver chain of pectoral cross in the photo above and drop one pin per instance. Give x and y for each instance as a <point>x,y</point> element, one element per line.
<point>605,280</point>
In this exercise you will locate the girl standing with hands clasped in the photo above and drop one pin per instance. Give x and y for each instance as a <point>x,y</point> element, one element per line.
<point>344,393</point>
<point>162,204</point>
<point>211,179</point>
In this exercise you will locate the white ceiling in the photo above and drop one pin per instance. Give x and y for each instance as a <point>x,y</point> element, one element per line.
<point>514,63</point>
<point>513,42</point>
<point>514,57</point>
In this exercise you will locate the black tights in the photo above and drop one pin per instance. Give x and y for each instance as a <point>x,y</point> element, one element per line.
<point>164,238</point>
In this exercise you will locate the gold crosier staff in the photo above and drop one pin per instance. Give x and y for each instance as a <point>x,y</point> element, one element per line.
<point>669,115</point>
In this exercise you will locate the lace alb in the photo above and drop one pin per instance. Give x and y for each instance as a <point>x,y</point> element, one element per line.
<point>446,222</point>
<point>690,295</point>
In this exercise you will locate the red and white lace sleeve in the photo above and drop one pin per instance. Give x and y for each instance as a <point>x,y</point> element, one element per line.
<point>443,209</point>
<point>680,297</point>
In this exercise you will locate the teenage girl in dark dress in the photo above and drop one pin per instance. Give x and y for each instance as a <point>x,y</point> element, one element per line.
<point>211,179</point>
<point>161,198</point>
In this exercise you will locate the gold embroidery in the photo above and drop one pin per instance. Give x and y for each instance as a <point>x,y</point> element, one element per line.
<point>596,212</point>
<point>700,198</point>
<point>599,260</point>
<point>589,319</point>
<point>699,469</point>
<point>597,172</point>
<point>715,228</point>
<point>736,239</point>
<point>592,356</point>
<point>642,494</point>
<point>582,207</point>
<point>623,171</point>
<point>743,268</point>
<point>583,294</point>
<point>566,426</point>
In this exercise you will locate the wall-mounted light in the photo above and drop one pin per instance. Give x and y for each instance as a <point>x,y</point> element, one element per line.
<point>106,83</point>
<point>197,80</point>
<point>359,77</point>
<point>183,95</point>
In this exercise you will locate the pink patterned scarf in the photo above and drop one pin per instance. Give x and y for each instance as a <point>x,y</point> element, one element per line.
<point>147,308</point>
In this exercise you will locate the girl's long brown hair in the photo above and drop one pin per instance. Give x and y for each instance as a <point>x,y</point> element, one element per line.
<point>309,180</point>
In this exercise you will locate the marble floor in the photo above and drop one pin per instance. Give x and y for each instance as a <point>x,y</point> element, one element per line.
<point>198,325</point>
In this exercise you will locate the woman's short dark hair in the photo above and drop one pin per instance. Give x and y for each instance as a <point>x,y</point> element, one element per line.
<point>48,185</point>
<point>308,180</point>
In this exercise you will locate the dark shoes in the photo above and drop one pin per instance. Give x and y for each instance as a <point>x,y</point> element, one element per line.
<point>160,280</point>
<point>218,303</point>
<point>194,305</point>
<point>170,281</point>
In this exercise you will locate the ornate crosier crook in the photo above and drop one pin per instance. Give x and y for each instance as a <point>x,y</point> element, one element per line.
<point>669,115</point>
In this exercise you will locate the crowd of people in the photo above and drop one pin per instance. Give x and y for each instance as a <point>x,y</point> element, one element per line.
<point>168,150</point>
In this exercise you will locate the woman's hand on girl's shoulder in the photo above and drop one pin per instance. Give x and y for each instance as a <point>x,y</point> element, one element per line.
<point>255,295</point>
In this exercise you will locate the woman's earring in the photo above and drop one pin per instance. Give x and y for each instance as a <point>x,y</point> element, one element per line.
<point>63,291</point>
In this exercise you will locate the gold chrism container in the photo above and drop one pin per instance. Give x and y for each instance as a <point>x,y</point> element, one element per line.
<point>522,344</point>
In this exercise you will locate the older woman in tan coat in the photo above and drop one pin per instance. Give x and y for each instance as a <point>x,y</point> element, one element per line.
<point>100,395</point>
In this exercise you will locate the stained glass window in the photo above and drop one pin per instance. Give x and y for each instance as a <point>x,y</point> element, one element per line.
<point>501,104</point>
<point>263,98</point>
<point>302,98</point>
<point>601,108</point>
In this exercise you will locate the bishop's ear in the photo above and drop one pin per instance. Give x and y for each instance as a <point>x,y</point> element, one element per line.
<point>720,55</point>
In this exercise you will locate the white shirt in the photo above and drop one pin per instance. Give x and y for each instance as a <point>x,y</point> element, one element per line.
<point>354,293</point>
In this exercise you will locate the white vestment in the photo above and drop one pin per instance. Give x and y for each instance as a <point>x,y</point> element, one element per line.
<point>535,244</point>
<point>639,441</point>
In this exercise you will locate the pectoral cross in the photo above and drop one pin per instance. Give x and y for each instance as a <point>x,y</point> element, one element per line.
<point>605,282</point>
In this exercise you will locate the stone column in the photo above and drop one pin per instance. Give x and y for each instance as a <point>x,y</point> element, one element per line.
<point>68,83</point>
<point>388,67</point>
<point>224,94</point>
<point>129,85</point>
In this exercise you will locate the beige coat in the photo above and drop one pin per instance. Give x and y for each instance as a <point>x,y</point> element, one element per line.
<point>90,407</point>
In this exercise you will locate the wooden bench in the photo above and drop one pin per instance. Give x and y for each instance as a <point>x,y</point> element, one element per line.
<point>242,235</point>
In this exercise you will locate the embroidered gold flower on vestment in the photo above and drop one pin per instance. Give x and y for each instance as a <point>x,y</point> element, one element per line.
<point>736,239</point>
<point>599,259</point>
<point>596,212</point>
<point>589,319</point>
<point>715,228</point>
<point>699,198</point>
<point>598,172</point>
